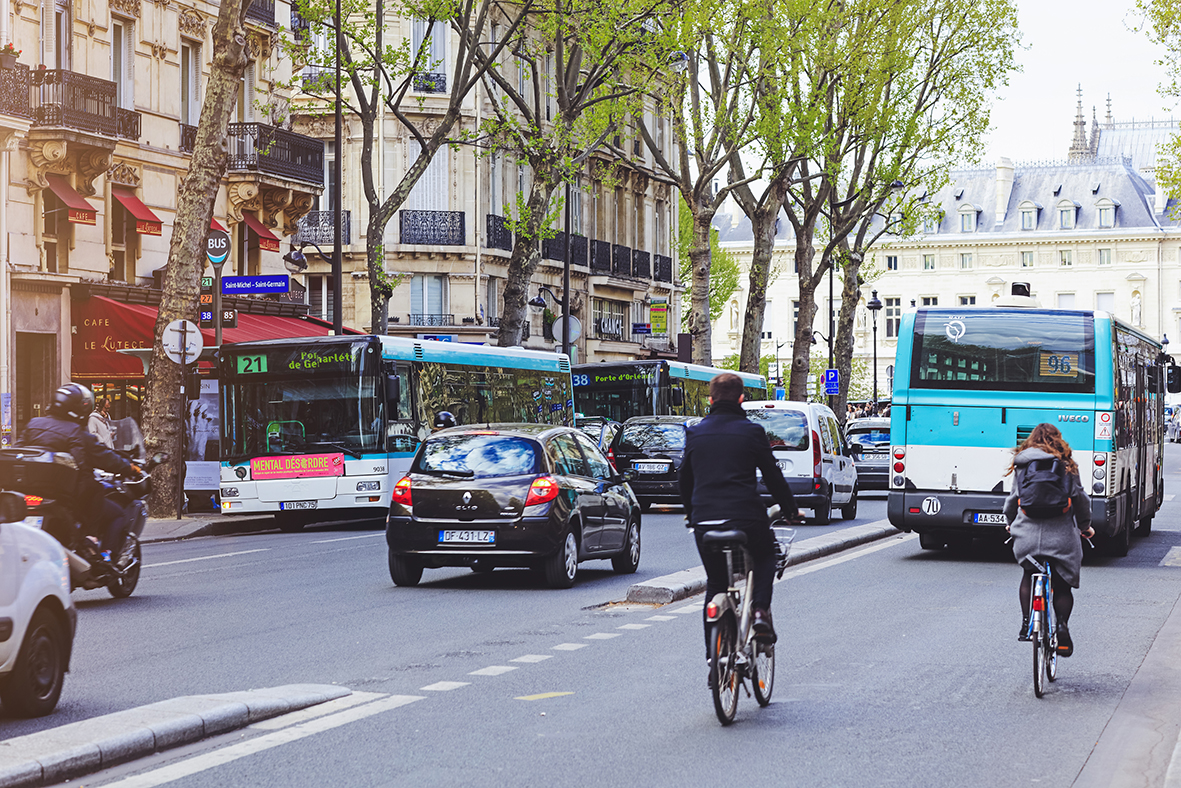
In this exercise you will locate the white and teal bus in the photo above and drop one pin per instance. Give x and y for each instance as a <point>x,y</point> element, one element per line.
<point>320,429</point>
<point>971,384</point>
<point>622,389</point>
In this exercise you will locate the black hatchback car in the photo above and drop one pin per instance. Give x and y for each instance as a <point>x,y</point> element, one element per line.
<point>873,464</point>
<point>514,495</point>
<point>652,447</point>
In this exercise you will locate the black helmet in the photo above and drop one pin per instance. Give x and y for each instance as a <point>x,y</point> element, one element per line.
<point>72,401</point>
<point>445,419</point>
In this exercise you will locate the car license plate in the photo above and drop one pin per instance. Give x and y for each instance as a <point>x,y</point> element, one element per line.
<point>650,467</point>
<point>288,506</point>
<point>467,537</point>
<point>989,517</point>
<point>35,522</point>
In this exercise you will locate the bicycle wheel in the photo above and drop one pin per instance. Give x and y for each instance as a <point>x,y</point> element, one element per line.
<point>1039,659</point>
<point>762,674</point>
<point>723,676</point>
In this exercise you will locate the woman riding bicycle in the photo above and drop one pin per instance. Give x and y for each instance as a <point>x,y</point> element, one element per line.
<point>1047,528</point>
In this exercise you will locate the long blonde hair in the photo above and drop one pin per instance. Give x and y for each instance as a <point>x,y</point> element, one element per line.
<point>1047,438</point>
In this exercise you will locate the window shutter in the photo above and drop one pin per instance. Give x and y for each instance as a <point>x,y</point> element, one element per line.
<point>128,89</point>
<point>430,193</point>
<point>416,295</point>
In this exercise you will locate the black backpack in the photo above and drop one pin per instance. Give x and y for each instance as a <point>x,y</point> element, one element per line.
<point>1045,489</point>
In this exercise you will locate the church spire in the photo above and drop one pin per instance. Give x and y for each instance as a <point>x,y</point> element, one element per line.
<point>1078,146</point>
<point>1094,131</point>
<point>1110,121</point>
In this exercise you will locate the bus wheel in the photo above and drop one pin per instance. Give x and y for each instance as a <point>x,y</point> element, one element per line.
<point>1144,528</point>
<point>931,541</point>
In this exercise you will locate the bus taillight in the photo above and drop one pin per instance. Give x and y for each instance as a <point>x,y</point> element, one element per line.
<point>1100,459</point>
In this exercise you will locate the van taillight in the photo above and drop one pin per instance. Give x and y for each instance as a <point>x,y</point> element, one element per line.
<point>817,471</point>
<point>402,492</point>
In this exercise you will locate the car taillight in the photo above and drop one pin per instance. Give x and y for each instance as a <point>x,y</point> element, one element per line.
<point>611,457</point>
<point>817,471</point>
<point>543,490</point>
<point>33,500</point>
<point>402,492</point>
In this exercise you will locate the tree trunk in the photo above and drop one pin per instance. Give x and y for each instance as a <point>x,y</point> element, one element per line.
<point>164,405</point>
<point>763,228</point>
<point>700,326</point>
<point>801,349</point>
<point>843,345</point>
<point>379,287</point>
<point>521,266</point>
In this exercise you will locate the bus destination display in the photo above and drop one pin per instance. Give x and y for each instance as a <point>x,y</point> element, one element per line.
<point>1058,365</point>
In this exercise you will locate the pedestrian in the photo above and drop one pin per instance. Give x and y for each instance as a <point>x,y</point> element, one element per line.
<point>1046,511</point>
<point>99,423</point>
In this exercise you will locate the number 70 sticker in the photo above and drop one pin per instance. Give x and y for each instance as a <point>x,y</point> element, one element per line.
<point>1103,431</point>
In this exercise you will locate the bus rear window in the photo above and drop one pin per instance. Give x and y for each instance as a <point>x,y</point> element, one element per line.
<point>1004,351</point>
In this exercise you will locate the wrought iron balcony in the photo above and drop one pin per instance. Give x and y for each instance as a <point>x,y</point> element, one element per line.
<point>432,228</point>
<point>600,261</point>
<point>621,260</point>
<point>641,264</point>
<point>188,138</point>
<point>430,83</point>
<point>319,79</point>
<point>80,102</point>
<point>299,26</point>
<point>499,235</point>
<point>262,12</point>
<point>257,147</point>
<point>317,227</point>
<point>431,320</point>
<point>14,91</point>
<point>554,248</point>
<point>577,250</point>
<point>662,270</point>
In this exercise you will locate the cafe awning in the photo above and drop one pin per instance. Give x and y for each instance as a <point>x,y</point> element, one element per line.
<point>103,326</point>
<point>214,224</point>
<point>146,222</point>
<point>78,210</point>
<point>267,241</point>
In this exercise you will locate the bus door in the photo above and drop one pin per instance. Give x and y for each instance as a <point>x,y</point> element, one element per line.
<point>401,436</point>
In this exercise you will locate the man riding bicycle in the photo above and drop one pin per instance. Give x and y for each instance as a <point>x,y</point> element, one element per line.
<point>718,482</point>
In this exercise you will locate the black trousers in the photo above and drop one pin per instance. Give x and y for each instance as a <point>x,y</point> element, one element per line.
<point>107,520</point>
<point>760,543</point>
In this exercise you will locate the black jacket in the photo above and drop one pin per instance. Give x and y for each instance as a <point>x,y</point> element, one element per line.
<point>718,472</point>
<point>50,432</point>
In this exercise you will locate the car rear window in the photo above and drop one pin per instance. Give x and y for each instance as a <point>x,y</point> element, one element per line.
<point>868,435</point>
<point>481,455</point>
<point>652,437</point>
<point>786,428</point>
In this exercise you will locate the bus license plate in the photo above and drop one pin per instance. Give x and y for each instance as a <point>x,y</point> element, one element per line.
<point>467,537</point>
<point>288,506</point>
<point>992,518</point>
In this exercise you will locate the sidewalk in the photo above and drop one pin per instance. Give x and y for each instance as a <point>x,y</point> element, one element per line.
<point>159,529</point>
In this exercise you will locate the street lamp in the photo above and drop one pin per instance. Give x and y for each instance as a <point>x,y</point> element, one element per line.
<point>539,302</point>
<point>874,306</point>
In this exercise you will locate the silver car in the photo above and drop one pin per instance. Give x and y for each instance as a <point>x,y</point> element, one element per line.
<point>873,464</point>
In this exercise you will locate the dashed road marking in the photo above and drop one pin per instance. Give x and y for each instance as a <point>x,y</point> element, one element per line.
<point>207,557</point>
<point>444,686</point>
<point>696,608</point>
<point>661,618</point>
<point>602,636</point>
<point>1172,558</point>
<point>492,670</point>
<point>569,646</point>
<point>543,695</point>
<point>532,658</point>
<point>1169,497</point>
<point>634,626</point>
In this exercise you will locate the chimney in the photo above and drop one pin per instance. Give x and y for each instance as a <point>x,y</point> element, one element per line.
<point>1004,188</point>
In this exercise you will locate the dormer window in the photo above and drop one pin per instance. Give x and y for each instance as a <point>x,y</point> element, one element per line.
<point>1030,211</point>
<point>1106,209</point>
<point>931,225</point>
<point>968,219</point>
<point>1067,214</point>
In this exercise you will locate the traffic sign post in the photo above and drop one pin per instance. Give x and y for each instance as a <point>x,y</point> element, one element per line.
<point>217,249</point>
<point>183,344</point>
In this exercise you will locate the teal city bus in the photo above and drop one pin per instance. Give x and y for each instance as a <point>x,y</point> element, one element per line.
<point>622,389</point>
<point>317,429</point>
<point>970,385</point>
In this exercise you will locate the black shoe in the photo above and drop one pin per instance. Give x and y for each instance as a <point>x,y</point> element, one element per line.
<point>709,679</point>
<point>1023,634</point>
<point>1065,644</point>
<point>763,629</point>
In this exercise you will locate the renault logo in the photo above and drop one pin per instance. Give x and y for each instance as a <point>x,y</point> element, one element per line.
<point>467,497</point>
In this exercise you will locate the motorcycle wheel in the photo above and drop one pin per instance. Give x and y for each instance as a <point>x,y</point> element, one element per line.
<point>122,587</point>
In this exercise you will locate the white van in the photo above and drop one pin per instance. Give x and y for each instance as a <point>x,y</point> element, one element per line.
<point>812,453</point>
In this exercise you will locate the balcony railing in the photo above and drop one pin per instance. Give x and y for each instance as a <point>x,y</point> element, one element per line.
<point>431,320</point>
<point>499,235</point>
<point>641,264</point>
<point>265,149</point>
<point>554,248</point>
<point>14,91</point>
<point>188,138</point>
<point>317,227</point>
<point>432,228</point>
<point>577,250</point>
<point>621,260</point>
<point>662,270</point>
<point>600,261</point>
<point>261,11</point>
<point>319,79</point>
<point>430,83</point>
<point>299,26</point>
<point>81,102</point>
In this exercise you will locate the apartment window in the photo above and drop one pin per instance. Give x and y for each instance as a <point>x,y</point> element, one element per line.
<point>967,221</point>
<point>930,225</point>
<point>61,35</point>
<point>659,134</point>
<point>323,202</point>
<point>1105,302</point>
<point>432,54</point>
<point>795,316</point>
<point>768,328</point>
<point>548,86</point>
<point>968,300</point>
<point>1066,218</point>
<point>426,297</point>
<point>930,300</point>
<point>928,262</point>
<point>1066,300</point>
<point>1028,219</point>
<point>893,316</point>
<point>661,229</point>
<point>320,296</point>
<point>1065,258</point>
<point>1104,257</point>
<point>1027,259</point>
<point>576,207</point>
<point>56,233</point>
<point>244,109</point>
<point>1107,216</point>
<point>190,83</point>
<point>495,187</point>
<point>491,311</point>
<point>123,240</point>
<point>892,262</point>
<point>609,317</point>
<point>123,62</point>
<point>965,260</point>
<point>431,192</point>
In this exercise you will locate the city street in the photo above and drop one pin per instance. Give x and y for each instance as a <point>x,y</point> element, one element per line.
<point>896,666</point>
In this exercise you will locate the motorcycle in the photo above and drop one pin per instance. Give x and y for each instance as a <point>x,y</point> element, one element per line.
<point>47,480</point>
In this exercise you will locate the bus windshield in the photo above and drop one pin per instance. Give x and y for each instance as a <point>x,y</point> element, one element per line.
<point>618,391</point>
<point>1004,351</point>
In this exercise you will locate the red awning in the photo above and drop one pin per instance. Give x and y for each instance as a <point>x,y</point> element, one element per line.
<point>103,326</point>
<point>79,211</point>
<point>214,224</point>
<point>267,241</point>
<point>146,222</point>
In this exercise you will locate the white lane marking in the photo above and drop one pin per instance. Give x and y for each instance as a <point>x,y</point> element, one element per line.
<point>569,646</point>
<point>347,538</point>
<point>319,710</point>
<point>208,557</point>
<point>810,567</point>
<point>210,760</point>
<point>661,618</point>
<point>634,626</point>
<point>532,658</point>
<point>444,686</point>
<point>1169,497</point>
<point>1173,773</point>
<point>602,636</point>
<point>492,670</point>
<point>688,609</point>
<point>1172,558</point>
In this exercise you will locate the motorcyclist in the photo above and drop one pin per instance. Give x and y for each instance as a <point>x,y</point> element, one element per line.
<point>64,429</point>
<point>444,419</point>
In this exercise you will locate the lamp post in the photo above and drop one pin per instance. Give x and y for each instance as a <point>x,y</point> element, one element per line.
<point>874,306</point>
<point>539,302</point>
<point>337,159</point>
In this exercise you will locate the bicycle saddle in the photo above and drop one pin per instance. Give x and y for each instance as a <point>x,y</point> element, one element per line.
<point>719,537</point>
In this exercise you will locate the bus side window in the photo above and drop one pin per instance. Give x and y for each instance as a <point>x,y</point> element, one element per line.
<point>678,396</point>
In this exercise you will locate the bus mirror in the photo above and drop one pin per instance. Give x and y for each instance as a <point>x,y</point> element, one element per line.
<point>678,398</point>
<point>1174,379</point>
<point>393,390</point>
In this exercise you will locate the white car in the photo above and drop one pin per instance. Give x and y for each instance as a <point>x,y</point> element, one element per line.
<point>37,615</point>
<point>811,451</point>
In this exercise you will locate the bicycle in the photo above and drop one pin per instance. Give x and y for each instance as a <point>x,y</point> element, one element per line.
<point>1043,626</point>
<point>734,653</point>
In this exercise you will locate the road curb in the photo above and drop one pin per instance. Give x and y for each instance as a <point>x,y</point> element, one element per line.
<point>83,747</point>
<point>687,582</point>
<point>175,530</point>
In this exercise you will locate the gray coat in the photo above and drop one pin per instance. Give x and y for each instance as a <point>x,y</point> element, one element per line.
<point>1056,537</point>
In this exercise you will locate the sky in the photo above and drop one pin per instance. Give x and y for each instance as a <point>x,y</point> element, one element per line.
<point>1065,43</point>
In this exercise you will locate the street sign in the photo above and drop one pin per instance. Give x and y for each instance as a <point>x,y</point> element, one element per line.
<point>832,381</point>
<point>641,328</point>
<point>217,247</point>
<point>272,283</point>
<point>575,328</point>
<point>183,334</point>
<point>229,318</point>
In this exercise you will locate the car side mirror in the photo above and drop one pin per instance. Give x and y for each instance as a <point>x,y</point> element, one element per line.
<point>1174,379</point>
<point>855,450</point>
